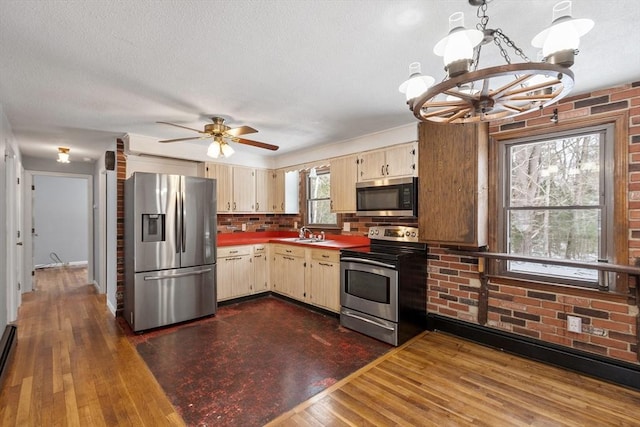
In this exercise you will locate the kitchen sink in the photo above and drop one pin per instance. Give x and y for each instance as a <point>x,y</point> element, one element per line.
<point>304,240</point>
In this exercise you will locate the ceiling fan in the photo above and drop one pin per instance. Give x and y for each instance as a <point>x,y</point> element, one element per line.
<point>222,135</point>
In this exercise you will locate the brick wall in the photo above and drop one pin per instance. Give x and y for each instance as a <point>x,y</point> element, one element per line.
<point>609,325</point>
<point>232,223</point>
<point>121,176</point>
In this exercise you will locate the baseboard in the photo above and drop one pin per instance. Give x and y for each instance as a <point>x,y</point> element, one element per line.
<point>111,308</point>
<point>63,264</point>
<point>282,297</point>
<point>8,343</point>
<point>619,372</point>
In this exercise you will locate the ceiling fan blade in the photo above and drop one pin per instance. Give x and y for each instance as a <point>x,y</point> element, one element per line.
<point>242,130</point>
<point>182,139</point>
<point>256,144</point>
<point>180,126</point>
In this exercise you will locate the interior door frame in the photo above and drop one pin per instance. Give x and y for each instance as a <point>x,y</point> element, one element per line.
<point>29,265</point>
<point>14,251</point>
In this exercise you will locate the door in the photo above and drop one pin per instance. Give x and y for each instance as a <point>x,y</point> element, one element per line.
<point>14,242</point>
<point>198,228</point>
<point>157,230</point>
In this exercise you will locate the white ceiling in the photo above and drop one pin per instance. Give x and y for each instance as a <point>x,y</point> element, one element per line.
<point>303,72</point>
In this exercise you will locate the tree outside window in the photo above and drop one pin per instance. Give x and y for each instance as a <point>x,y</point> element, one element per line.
<point>318,200</point>
<point>557,193</point>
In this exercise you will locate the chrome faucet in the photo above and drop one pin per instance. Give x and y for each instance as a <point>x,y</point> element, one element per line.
<point>303,232</point>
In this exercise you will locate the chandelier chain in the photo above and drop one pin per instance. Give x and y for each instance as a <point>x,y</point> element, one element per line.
<point>498,32</point>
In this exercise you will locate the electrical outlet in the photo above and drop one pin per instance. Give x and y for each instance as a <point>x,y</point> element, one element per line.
<point>244,227</point>
<point>295,224</point>
<point>574,324</point>
<point>346,226</point>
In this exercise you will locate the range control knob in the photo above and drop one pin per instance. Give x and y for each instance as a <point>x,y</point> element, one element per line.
<point>406,233</point>
<point>377,232</point>
<point>413,234</point>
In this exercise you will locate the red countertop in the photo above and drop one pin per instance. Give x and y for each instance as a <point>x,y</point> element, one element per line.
<point>333,241</point>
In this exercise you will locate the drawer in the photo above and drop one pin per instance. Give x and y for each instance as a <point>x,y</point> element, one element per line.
<point>228,251</point>
<point>290,250</point>
<point>325,255</point>
<point>259,249</point>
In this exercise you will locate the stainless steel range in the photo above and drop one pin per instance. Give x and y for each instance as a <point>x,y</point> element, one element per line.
<point>384,285</point>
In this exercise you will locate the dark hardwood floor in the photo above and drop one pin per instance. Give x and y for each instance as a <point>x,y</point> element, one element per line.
<point>74,366</point>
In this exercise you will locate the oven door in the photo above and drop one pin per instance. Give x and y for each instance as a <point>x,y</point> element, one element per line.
<point>370,287</point>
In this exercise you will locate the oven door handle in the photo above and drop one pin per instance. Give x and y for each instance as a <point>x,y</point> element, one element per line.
<point>368,261</point>
<point>364,319</point>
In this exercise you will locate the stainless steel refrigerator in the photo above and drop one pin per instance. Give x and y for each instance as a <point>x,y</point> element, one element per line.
<point>170,249</point>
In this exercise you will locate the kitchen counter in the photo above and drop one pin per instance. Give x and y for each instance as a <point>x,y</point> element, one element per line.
<point>332,241</point>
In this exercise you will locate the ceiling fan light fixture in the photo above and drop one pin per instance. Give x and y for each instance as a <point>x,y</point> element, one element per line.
<point>63,155</point>
<point>226,149</point>
<point>214,150</point>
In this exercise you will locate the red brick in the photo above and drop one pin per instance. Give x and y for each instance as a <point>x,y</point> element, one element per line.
<point>609,343</point>
<point>447,312</point>
<point>580,302</point>
<point>527,301</point>
<point>623,355</point>
<point>622,318</point>
<point>513,290</point>
<point>608,324</point>
<point>542,327</point>
<point>459,307</point>
<point>624,94</point>
<point>553,305</point>
<point>556,339</point>
<point>545,312</point>
<point>460,266</point>
<point>461,280</point>
<point>609,306</point>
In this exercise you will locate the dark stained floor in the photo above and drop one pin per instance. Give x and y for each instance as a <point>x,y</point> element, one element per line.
<point>253,361</point>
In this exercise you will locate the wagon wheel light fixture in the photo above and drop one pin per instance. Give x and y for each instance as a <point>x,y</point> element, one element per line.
<point>468,94</point>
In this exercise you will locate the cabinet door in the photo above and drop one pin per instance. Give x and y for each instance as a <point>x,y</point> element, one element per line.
<point>260,272</point>
<point>224,188</point>
<point>324,287</point>
<point>453,183</point>
<point>244,188</point>
<point>277,191</point>
<point>344,174</point>
<point>243,275</point>
<point>371,165</point>
<point>278,273</point>
<point>294,277</point>
<point>401,161</point>
<point>225,278</point>
<point>263,190</point>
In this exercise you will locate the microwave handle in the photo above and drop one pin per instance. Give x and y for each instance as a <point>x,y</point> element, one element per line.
<point>367,261</point>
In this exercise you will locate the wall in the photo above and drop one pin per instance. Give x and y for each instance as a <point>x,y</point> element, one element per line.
<point>61,219</point>
<point>538,311</point>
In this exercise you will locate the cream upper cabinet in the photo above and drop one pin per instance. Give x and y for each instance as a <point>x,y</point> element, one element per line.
<point>224,186</point>
<point>277,191</point>
<point>263,190</point>
<point>371,165</point>
<point>393,162</point>
<point>344,175</point>
<point>244,189</point>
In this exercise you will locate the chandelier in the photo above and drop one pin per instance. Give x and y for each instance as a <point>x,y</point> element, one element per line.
<point>468,94</point>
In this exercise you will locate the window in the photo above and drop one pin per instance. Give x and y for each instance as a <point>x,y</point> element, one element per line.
<point>318,200</point>
<point>556,194</point>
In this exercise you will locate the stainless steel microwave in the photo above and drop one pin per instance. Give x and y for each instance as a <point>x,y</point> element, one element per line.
<point>387,197</point>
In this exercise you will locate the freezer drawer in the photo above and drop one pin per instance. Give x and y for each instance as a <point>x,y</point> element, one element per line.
<point>170,296</point>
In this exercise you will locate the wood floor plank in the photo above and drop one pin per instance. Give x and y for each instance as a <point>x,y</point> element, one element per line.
<point>74,366</point>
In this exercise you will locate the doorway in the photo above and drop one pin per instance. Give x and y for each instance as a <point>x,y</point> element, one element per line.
<point>59,211</point>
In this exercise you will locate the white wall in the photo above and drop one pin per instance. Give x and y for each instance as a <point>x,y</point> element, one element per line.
<point>9,297</point>
<point>61,219</point>
<point>160,165</point>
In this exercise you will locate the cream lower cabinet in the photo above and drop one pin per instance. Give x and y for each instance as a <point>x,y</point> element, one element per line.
<point>289,266</point>
<point>324,279</point>
<point>235,272</point>
<point>260,269</point>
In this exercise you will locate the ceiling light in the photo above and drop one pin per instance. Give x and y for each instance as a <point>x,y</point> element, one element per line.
<point>219,148</point>
<point>63,155</point>
<point>468,94</point>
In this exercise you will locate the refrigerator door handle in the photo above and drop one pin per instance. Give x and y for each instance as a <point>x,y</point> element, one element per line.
<point>173,276</point>
<point>182,222</point>
<point>176,223</point>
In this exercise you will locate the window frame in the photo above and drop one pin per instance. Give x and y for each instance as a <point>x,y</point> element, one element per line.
<point>617,197</point>
<point>308,200</point>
